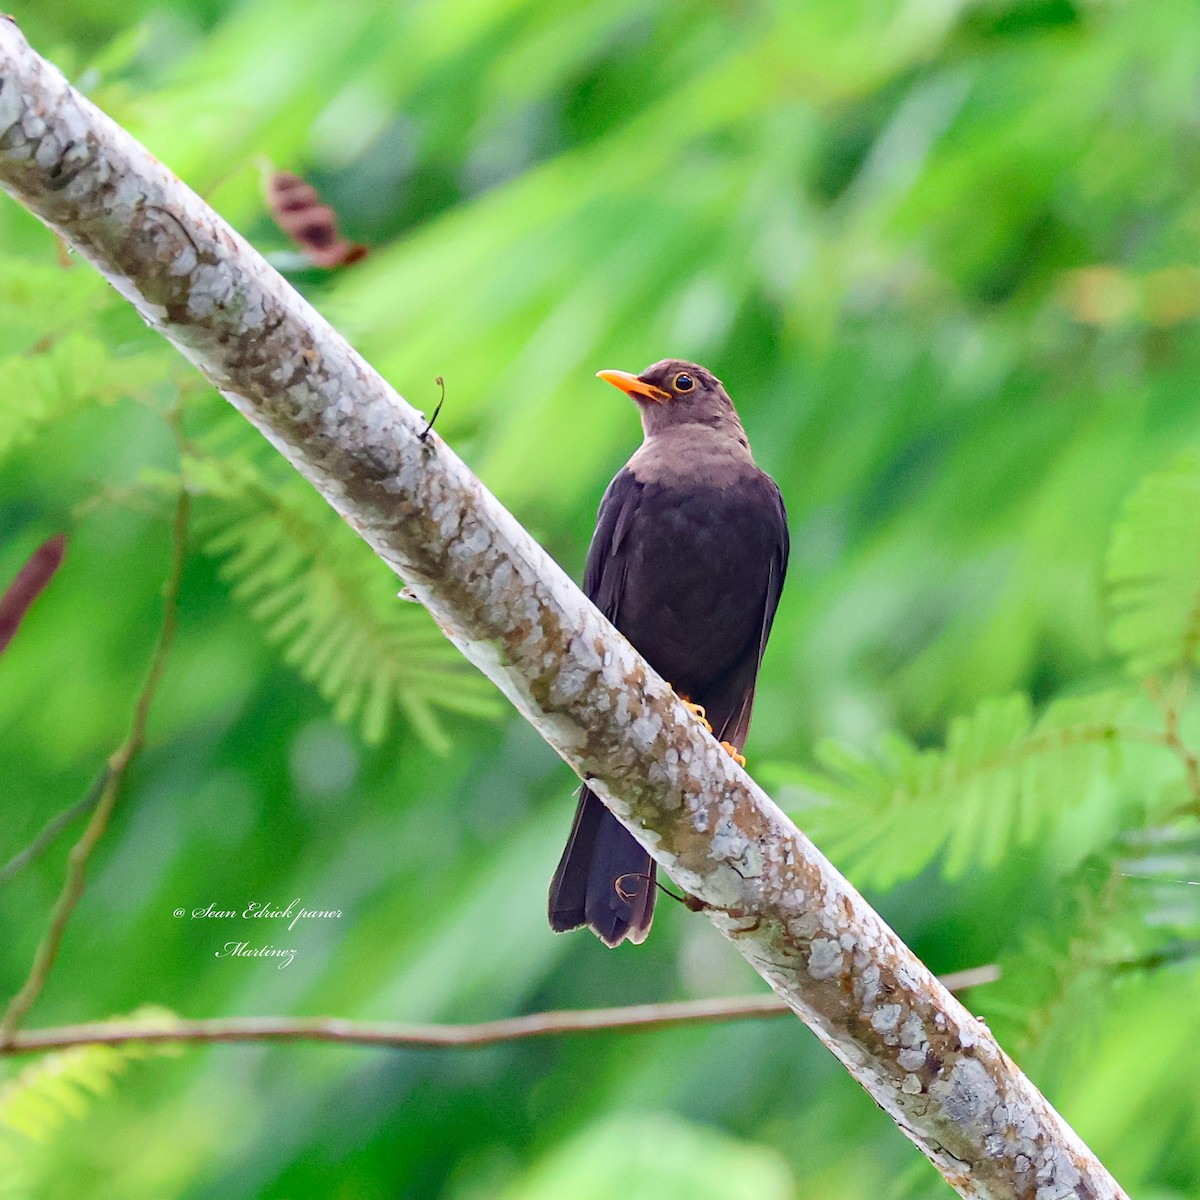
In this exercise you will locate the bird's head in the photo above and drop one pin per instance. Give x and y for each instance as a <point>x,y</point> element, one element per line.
<point>675,392</point>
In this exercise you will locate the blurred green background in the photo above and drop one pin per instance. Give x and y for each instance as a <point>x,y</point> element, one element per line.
<point>946,257</point>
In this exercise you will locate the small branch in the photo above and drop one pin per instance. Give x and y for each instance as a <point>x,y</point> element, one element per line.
<point>54,827</point>
<point>399,1036</point>
<point>1138,733</point>
<point>118,764</point>
<point>29,584</point>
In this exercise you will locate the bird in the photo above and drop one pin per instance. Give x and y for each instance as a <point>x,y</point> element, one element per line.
<point>687,560</point>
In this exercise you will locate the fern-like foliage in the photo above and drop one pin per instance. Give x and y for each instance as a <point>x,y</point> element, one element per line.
<point>54,360</point>
<point>1161,866</point>
<point>1055,979</point>
<point>1154,570</point>
<point>321,594</point>
<point>61,378</point>
<point>41,299</point>
<point>61,1086</point>
<point>1132,909</point>
<point>1000,774</point>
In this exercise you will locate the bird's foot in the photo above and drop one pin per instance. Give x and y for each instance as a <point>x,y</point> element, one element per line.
<point>734,753</point>
<point>698,711</point>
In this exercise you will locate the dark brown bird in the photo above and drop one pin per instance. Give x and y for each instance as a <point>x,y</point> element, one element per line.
<point>688,559</point>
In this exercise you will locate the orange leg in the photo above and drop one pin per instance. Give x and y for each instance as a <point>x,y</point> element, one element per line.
<point>698,710</point>
<point>729,748</point>
<point>734,753</point>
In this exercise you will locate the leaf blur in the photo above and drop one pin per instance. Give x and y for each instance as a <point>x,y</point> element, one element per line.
<point>946,257</point>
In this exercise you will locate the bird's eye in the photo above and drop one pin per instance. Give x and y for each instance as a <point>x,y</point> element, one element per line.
<point>683,382</point>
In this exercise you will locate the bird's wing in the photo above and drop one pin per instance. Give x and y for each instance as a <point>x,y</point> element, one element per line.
<point>604,573</point>
<point>605,879</point>
<point>730,700</point>
<point>733,699</point>
<point>778,571</point>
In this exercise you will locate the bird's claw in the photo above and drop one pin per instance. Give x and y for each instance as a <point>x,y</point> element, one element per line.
<point>697,710</point>
<point>734,753</point>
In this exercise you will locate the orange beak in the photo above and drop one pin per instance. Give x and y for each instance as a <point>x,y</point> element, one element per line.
<point>631,385</point>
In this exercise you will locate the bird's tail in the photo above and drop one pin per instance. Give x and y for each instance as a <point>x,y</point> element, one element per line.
<point>604,880</point>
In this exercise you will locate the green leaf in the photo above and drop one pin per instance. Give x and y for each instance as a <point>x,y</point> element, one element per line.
<point>994,785</point>
<point>59,1086</point>
<point>1052,979</point>
<point>651,1154</point>
<point>1125,913</point>
<point>1154,571</point>
<point>57,379</point>
<point>325,599</point>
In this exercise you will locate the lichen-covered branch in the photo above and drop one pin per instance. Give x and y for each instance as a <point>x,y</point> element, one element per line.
<point>511,610</point>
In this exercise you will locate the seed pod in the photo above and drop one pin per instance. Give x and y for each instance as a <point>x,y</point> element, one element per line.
<point>298,211</point>
<point>31,579</point>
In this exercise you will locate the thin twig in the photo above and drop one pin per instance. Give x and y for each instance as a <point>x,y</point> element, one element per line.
<point>29,584</point>
<point>54,827</point>
<point>396,1035</point>
<point>118,764</point>
<point>425,432</point>
<point>1139,733</point>
<point>1181,683</point>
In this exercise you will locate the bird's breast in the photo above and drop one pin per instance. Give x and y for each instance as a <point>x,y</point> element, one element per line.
<point>697,563</point>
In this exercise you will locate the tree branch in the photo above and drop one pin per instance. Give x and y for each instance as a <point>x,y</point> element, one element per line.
<point>50,831</point>
<point>399,1036</point>
<point>512,611</point>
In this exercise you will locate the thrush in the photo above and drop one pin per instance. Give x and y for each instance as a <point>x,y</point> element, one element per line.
<point>687,561</point>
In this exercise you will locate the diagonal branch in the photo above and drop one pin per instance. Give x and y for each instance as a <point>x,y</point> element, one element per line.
<point>511,610</point>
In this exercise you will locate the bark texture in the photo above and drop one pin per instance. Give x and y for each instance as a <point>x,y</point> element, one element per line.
<point>511,610</point>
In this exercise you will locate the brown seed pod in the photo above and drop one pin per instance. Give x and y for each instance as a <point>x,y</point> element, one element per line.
<point>31,580</point>
<point>297,210</point>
